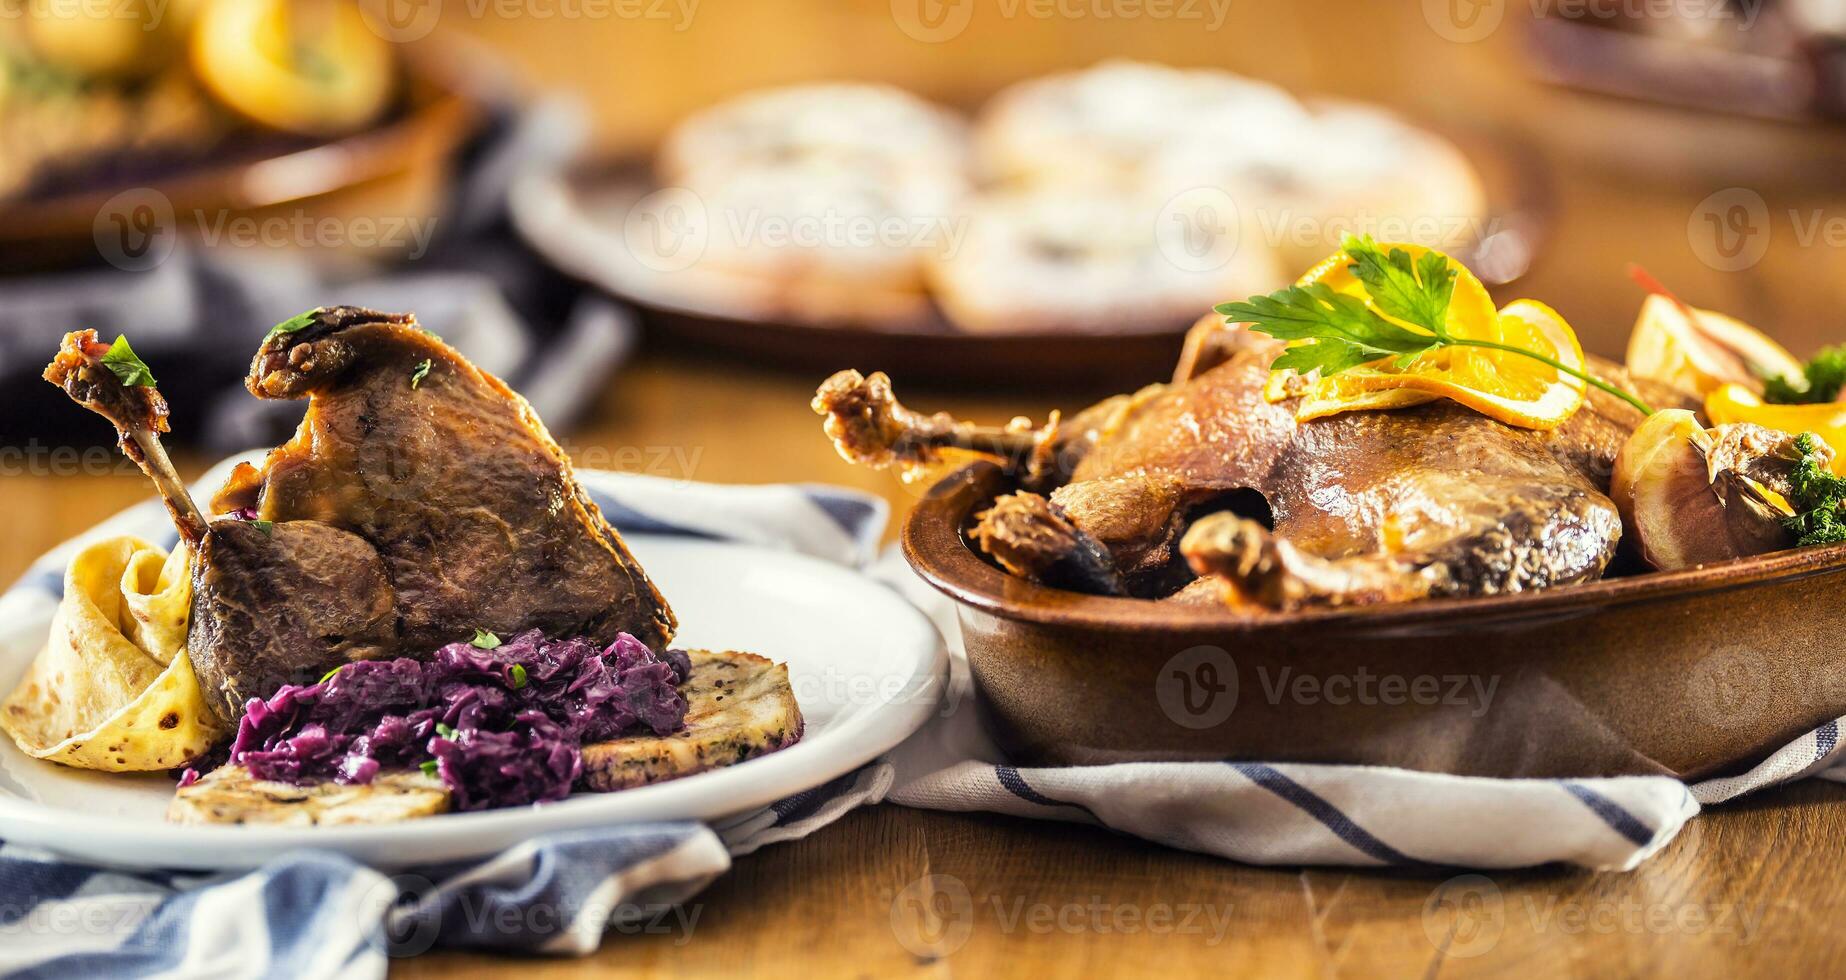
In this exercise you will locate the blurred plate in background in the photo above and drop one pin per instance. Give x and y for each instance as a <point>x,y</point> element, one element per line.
<point>580,222</point>
<point>395,169</point>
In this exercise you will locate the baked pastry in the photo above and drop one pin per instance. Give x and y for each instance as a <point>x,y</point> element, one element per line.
<point>1342,168</point>
<point>817,202</point>
<point>1104,124</point>
<point>1123,195</point>
<point>883,131</point>
<point>816,242</point>
<point>1059,258</point>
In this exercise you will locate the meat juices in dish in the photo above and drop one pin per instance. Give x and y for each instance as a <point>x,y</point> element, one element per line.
<point>421,499</point>
<point>1136,494</point>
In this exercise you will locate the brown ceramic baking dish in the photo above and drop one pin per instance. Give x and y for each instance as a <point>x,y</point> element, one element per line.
<point>1692,673</point>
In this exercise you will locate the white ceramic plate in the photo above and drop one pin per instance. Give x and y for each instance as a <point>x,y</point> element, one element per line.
<point>866,666</point>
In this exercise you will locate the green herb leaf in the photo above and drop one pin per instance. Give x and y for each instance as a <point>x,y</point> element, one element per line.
<point>264,526</point>
<point>429,768</point>
<point>122,362</point>
<point>484,640</point>
<point>294,324</point>
<point>519,676</point>
<point>1821,380</point>
<point>1343,331</point>
<point>1334,331</point>
<point>446,731</point>
<point>324,678</point>
<point>1414,291</point>
<point>421,372</point>
<point>1329,357</point>
<point>1817,495</point>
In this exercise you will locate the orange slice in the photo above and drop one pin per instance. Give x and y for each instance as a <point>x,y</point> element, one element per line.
<point>1502,385</point>
<point>1471,309</point>
<point>1734,403</point>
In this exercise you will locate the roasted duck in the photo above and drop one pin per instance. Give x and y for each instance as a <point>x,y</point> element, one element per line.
<point>1205,476</point>
<point>420,500</point>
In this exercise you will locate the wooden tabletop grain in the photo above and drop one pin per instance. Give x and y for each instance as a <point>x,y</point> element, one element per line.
<point>1750,888</point>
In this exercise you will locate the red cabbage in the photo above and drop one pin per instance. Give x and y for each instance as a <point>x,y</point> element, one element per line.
<point>500,727</point>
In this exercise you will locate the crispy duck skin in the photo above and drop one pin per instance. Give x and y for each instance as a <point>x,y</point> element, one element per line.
<point>451,477</point>
<point>1365,506</point>
<point>420,499</point>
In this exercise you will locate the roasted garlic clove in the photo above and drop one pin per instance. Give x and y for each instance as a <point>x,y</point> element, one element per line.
<point>1691,495</point>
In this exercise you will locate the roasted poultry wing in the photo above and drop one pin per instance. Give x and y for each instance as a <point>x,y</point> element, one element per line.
<point>421,499</point>
<point>1206,476</point>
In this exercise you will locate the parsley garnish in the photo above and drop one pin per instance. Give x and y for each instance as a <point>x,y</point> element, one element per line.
<point>1821,380</point>
<point>1817,495</point>
<point>120,359</point>
<point>264,526</point>
<point>519,676</point>
<point>421,372</point>
<point>446,731</point>
<point>294,324</point>
<point>1335,331</point>
<point>484,640</point>
<point>429,768</point>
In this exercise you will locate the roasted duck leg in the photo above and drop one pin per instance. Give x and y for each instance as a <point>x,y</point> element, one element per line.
<point>451,477</point>
<point>1364,507</point>
<point>271,604</point>
<point>419,501</point>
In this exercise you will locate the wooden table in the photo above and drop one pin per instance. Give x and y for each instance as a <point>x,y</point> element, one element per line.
<point>896,892</point>
<point>1750,888</point>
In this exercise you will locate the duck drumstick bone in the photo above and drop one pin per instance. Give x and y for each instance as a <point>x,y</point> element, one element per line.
<point>139,415</point>
<point>871,427</point>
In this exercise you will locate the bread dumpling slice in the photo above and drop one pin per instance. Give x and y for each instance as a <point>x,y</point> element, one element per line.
<point>738,706</point>
<point>230,795</point>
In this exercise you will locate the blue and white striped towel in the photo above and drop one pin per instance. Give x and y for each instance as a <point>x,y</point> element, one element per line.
<point>1285,813</point>
<point>313,914</point>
